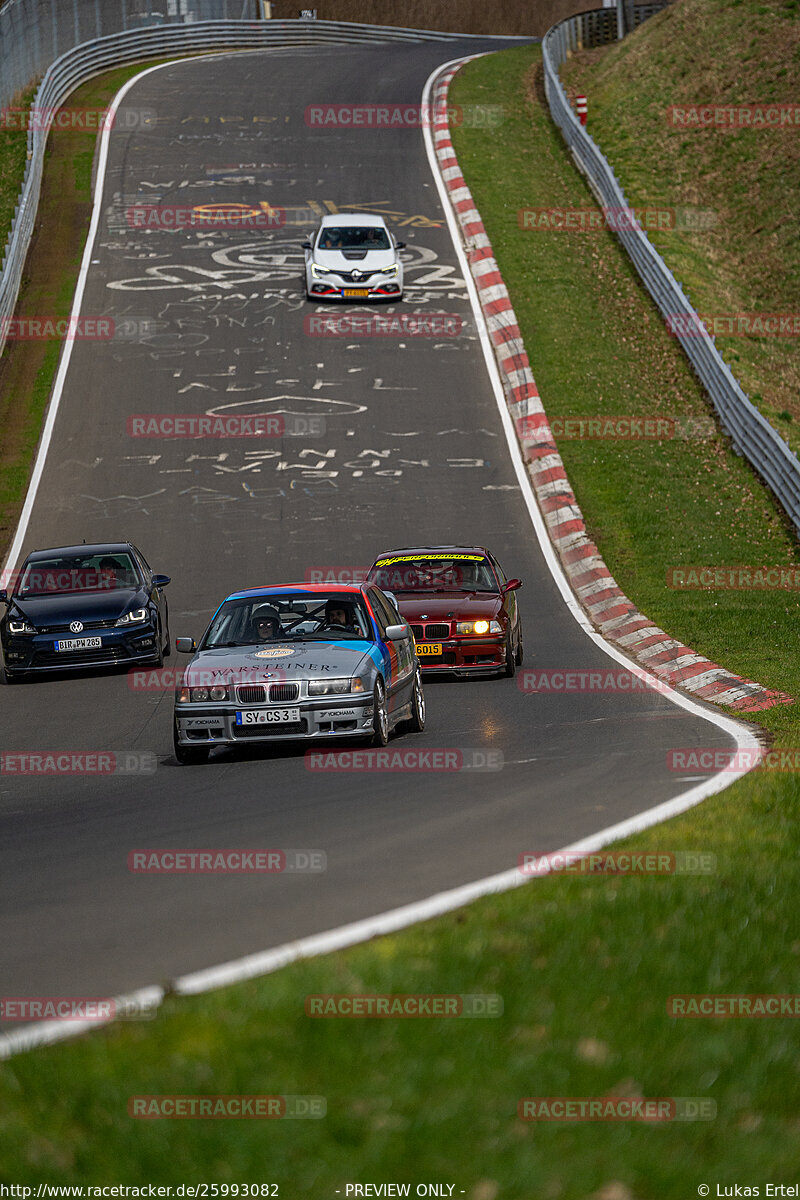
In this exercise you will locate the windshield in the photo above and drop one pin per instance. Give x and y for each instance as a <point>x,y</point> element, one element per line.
<point>353,237</point>
<point>434,573</point>
<point>71,574</point>
<point>293,616</point>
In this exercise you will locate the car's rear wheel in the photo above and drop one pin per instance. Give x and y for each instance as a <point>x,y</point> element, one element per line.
<point>380,718</point>
<point>189,756</point>
<point>511,660</point>
<point>416,722</point>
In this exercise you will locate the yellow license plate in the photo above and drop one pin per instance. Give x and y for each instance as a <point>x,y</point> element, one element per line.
<point>356,291</point>
<point>429,649</point>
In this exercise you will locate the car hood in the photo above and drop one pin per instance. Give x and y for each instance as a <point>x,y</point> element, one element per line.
<point>282,661</point>
<point>354,260</point>
<point>450,606</point>
<point>80,606</point>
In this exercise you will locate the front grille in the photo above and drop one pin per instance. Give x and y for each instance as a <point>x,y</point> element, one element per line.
<point>251,693</point>
<point>436,633</point>
<point>417,632</point>
<point>360,282</point>
<point>260,731</point>
<point>86,625</point>
<point>284,691</point>
<point>68,658</point>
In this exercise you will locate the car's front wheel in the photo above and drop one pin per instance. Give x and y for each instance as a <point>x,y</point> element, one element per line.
<point>380,718</point>
<point>189,756</point>
<point>416,722</point>
<point>511,659</point>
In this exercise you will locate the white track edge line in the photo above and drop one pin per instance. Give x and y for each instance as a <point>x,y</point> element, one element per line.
<point>267,961</point>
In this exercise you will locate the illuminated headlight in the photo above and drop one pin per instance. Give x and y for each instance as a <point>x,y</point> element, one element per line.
<point>134,617</point>
<point>479,627</point>
<point>201,695</point>
<point>389,270</point>
<point>17,626</point>
<point>329,687</point>
<point>317,271</point>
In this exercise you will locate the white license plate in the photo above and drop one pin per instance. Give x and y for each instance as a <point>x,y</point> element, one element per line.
<point>268,716</point>
<point>87,643</point>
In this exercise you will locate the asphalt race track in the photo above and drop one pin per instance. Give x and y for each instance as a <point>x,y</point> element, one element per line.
<point>413,451</point>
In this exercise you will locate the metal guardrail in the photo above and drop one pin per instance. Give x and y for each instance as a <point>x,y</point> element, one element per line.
<point>750,432</point>
<point>91,58</point>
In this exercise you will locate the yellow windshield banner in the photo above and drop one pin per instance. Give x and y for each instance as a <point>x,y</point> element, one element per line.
<point>387,562</point>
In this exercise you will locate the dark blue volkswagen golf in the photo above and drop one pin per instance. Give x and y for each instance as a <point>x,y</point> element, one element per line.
<point>84,606</point>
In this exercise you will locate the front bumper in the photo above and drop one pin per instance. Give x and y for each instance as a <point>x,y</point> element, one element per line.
<point>37,654</point>
<point>214,724</point>
<point>375,287</point>
<point>463,656</point>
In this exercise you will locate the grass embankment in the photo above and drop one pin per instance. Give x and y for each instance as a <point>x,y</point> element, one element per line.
<point>714,52</point>
<point>584,964</point>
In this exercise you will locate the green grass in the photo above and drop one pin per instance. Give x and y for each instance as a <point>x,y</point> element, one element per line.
<point>699,52</point>
<point>597,346</point>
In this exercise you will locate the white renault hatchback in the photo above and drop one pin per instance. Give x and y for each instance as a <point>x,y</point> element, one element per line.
<point>353,256</point>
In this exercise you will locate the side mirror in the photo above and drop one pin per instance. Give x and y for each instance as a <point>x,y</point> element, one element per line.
<point>185,645</point>
<point>513,585</point>
<point>400,245</point>
<point>160,581</point>
<point>397,633</point>
<point>305,245</point>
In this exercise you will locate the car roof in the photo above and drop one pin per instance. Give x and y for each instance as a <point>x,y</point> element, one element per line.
<point>423,550</point>
<point>313,589</point>
<point>84,548</point>
<point>353,219</point>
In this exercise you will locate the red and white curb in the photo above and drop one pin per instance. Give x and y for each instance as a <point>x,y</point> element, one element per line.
<point>610,610</point>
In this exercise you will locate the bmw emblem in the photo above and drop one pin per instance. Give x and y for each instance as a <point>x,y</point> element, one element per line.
<point>423,616</point>
<point>76,627</point>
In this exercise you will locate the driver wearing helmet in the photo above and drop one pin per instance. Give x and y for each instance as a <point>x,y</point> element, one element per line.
<point>266,623</point>
<point>340,615</point>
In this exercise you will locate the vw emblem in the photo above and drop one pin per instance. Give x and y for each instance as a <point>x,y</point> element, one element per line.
<point>76,627</point>
<point>356,275</point>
